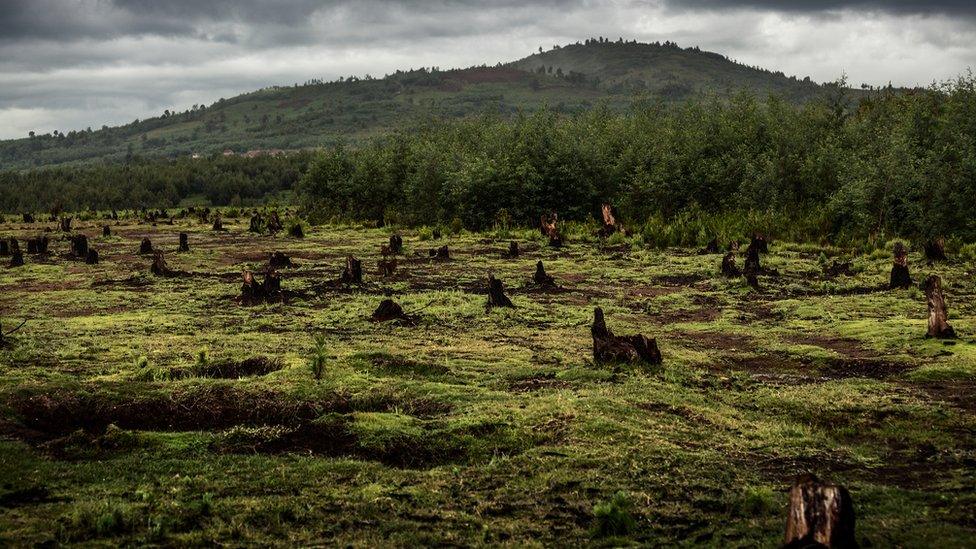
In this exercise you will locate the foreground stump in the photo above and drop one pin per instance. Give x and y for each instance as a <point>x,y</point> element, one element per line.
<point>390,310</point>
<point>729,268</point>
<point>159,267</point>
<point>92,257</point>
<point>627,349</point>
<point>353,272</point>
<point>496,294</point>
<point>820,515</point>
<point>278,260</point>
<point>542,278</point>
<point>17,259</point>
<point>900,277</point>
<point>145,247</point>
<point>440,254</point>
<point>79,245</point>
<point>184,243</point>
<point>938,314</point>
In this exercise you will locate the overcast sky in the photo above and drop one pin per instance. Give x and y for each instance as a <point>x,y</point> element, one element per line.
<point>69,64</point>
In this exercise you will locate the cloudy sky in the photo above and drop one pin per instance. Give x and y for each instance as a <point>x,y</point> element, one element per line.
<point>69,64</point>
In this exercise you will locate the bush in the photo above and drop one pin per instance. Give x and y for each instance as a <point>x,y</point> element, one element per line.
<point>613,518</point>
<point>319,358</point>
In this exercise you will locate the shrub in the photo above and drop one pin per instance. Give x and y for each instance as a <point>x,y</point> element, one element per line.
<point>613,518</point>
<point>319,358</point>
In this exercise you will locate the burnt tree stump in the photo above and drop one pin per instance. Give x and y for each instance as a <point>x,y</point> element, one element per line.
<point>65,224</point>
<point>92,257</point>
<point>838,268</point>
<point>900,277</point>
<point>38,245</point>
<point>274,224</point>
<point>14,245</point>
<point>542,278</point>
<point>28,218</point>
<point>496,294</point>
<point>935,250</point>
<point>440,254</point>
<point>16,258</point>
<point>710,248</point>
<point>184,243</point>
<point>278,260</point>
<point>4,248</point>
<point>296,230</point>
<point>146,247</point>
<point>938,314</point>
<point>753,281</point>
<point>513,249</point>
<point>106,231</point>
<point>79,245</point>
<point>396,244</point>
<point>159,267</point>
<point>387,267</point>
<point>389,310</point>
<point>353,272</point>
<point>254,292</point>
<point>609,348</point>
<point>729,268</point>
<point>820,515</point>
<point>257,223</point>
<point>436,234</point>
<point>218,224</point>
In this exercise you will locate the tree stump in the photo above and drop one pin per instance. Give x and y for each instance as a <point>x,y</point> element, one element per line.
<point>28,218</point>
<point>547,225</point>
<point>440,254</point>
<point>257,223</point>
<point>274,224</point>
<point>610,224</point>
<point>389,310</point>
<point>753,265</point>
<point>92,257</point>
<point>106,231</point>
<point>254,292</point>
<point>65,224</point>
<point>218,225</point>
<point>542,278</point>
<point>353,273</point>
<point>146,246</point>
<point>710,248</point>
<point>16,258</point>
<point>38,245</point>
<point>938,314</point>
<point>159,267</point>
<point>278,260</point>
<point>396,244</point>
<point>513,249</point>
<point>935,250</point>
<point>4,248</point>
<point>900,277</point>
<point>436,234</point>
<point>820,515</point>
<point>184,243</point>
<point>14,245</point>
<point>729,268</point>
<point>79,245</point>
<point>496,294</point>
<point>734,246</point>
<point>838,268</point>
<point>753,281</point>
<point>609,348</point>
<point>387,267</point>
<point>296,230</point>
<point>760,242</point>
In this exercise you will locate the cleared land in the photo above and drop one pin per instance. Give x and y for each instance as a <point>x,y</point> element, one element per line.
<point>469,427</point>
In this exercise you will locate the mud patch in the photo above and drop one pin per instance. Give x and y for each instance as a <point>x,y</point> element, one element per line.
<point>256,366</point>
<point>537,383</point>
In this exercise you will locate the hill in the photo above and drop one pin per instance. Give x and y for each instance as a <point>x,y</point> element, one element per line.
<point>315,114</point>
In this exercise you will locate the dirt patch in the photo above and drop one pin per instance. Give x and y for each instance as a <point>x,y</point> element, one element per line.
<point>537,383</point>
<point>863,367</point>
<point>844,346</point>
<point>256,366</point>
<point>719,340</point>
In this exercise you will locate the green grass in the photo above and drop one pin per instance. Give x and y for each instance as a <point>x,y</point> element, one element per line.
<point>468,427</point>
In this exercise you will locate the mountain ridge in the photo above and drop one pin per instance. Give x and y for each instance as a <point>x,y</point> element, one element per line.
<point>569,79</point>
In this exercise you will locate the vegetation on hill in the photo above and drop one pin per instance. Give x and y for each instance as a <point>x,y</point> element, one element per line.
<point>318,113</point>
<point>892,164</point>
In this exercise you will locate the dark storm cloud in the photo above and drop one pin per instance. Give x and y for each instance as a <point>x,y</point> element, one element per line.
<point>74,63</point>
<point>914,7</point>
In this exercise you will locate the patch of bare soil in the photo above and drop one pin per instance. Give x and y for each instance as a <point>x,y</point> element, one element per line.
<point>256,366</point>
<point>719,340</point>
<point>537,383</point>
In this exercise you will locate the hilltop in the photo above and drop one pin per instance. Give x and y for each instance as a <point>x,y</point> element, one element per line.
<point>568,79</point>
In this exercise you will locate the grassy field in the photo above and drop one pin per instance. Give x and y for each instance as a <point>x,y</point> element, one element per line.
<point>120,424</point>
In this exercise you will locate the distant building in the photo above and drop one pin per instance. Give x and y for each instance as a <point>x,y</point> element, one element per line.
<point>263,152</point>
<point>228,152</point>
